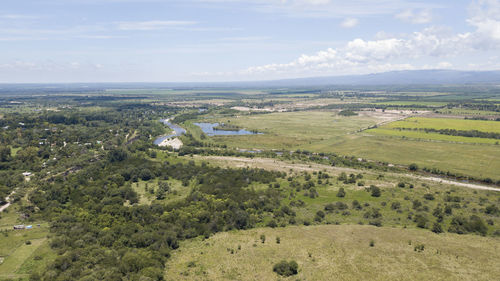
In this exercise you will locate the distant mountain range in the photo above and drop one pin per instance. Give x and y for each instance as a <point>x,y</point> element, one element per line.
<point>408,77</point>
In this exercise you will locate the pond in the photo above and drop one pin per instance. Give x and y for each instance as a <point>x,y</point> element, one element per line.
<point>177,131</point>
<point>208,129</point>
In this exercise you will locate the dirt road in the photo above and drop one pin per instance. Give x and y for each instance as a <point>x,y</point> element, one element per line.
<point>278,165</point>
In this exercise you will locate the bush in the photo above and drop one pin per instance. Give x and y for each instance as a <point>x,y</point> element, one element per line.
<point>461,225</point>
<point>419,248</point>
<point>436,228</point>
<point>492,210</point>
<point>413,167</point>
<point>375,191</point>
<point>396,205</point>
<point>341,192</point>
<point>285,268</point>
<point>421,220</point>
<point>429,196</point>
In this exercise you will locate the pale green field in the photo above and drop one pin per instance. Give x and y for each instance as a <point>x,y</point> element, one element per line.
<point>382,131</point>
<point>478,160</point>
<point>321,131</point>
<point>337,252</point>
<point>447,123</point>
<point>293,130</point>
<point>425,103</point>
<point>460,111</point>
<point>20,259</point>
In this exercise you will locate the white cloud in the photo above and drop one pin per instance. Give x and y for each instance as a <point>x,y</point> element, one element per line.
<point>402,52</point>
<point>152,25</point>
<point>349,22</point>
<point>416,17</point>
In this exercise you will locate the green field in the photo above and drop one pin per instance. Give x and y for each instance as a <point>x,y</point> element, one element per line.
<point>321,131</point>
<point>294,130</point>
<point>416,103</point>
<point>337,252</point>
<point>446,123</point>
<point>19,259</point>
<point>468,159</point>
<point>420,135</point>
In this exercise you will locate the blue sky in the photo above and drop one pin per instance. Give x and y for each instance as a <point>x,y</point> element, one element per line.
<point>229,40</point>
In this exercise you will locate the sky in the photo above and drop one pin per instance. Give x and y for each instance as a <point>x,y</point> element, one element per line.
<point>46,41</point>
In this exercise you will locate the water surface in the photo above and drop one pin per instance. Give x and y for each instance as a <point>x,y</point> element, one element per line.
<point>208,129</point>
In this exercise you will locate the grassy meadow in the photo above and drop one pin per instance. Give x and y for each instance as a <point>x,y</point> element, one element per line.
<point>22,251</point>
<point>337,252</point>
<point>446,123</point>
<point>294,130</point>
<point>325,131</point>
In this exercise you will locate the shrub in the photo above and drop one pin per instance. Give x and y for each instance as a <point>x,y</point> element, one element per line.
<point>492,210</point>
<point>401,184</point>
<point>429,196</point>
<point>272,223</point>
<point>262,238</point>
<point>341,192</point>
<point>413,167</point>
<point>395,205</point>
<point>421,220</point>
<point>461,225</point>
<point>285,268</point>
<point>375,191</point>
<point>436,228</point>
<point>356,205</point>
<point>372,243</point>
<point>419,248</point>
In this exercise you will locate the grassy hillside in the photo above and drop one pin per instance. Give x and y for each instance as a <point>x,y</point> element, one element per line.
<point>337,252</point>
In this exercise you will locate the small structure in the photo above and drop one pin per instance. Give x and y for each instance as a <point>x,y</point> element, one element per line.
<point>26,174</point>
<point>19,226</point>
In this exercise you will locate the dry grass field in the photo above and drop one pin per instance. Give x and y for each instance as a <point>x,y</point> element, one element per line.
<point>337,252</point>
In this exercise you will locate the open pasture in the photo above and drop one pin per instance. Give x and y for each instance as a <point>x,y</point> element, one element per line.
<point>298,130</point>
<point>337,252</point>
<point>446,123</point>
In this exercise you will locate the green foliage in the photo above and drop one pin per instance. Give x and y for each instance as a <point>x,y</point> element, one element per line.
<point>375,191</point>
<point>341,192</point>
<point>462,225</point>
<point>347,113</point>
<point>286,268</point>
<point>413,167</point>
<point>437,228</point>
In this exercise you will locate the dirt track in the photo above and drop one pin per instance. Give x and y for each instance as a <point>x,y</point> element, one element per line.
<point>278,165</point>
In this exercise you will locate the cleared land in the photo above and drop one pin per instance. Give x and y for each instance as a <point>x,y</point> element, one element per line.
<point>337,252</point>
<point>323,131</point>
<point>447,123</point>
<point>300,130</point>
<point>18,258</point>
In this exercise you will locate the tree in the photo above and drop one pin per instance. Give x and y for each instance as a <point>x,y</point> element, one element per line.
<point>5,153</point>
<point>413,167</point>
<point>285,268</point>
<point>341,192</point>
<point>436,228</point>
<point>375,191</point>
